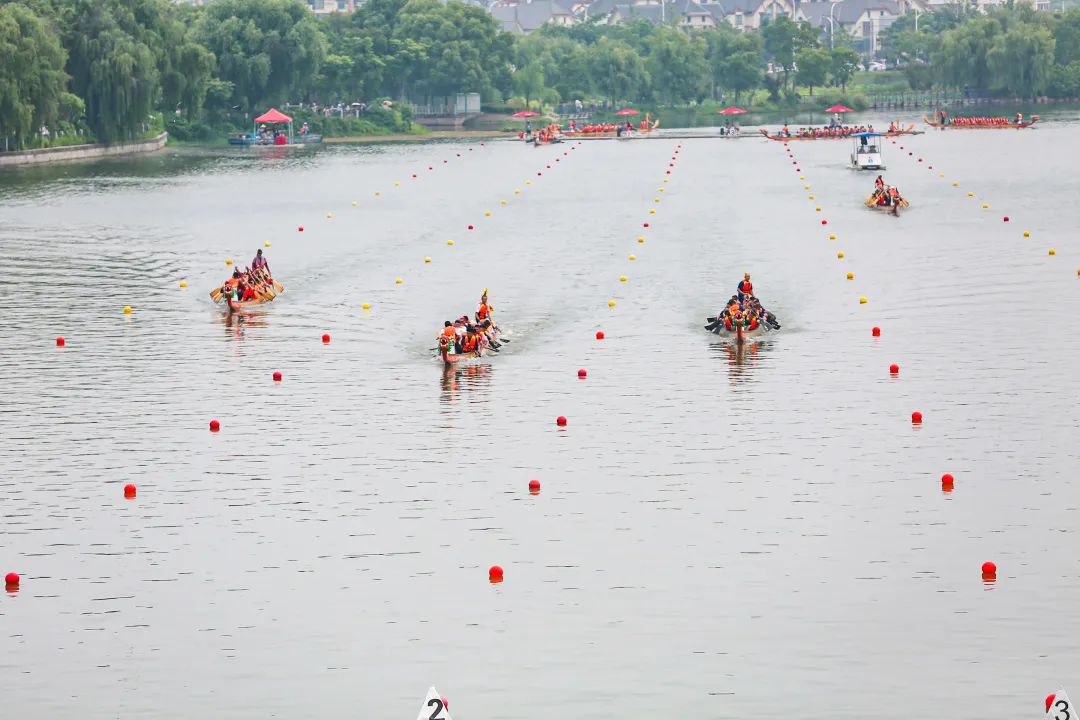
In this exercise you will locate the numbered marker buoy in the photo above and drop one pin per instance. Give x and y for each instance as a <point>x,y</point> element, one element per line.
<point>434,707</point>
<point>1059,707</point>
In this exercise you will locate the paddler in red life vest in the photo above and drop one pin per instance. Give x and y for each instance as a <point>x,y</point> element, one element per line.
<point>746,288</point>
<point>483,310</point>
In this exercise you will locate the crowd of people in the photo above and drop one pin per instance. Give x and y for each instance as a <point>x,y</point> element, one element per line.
<point>553,132</point>
<point>830,131</point>
<point>252,283</point>
<point>744,310</point>
<point>886,196</point>
<point>1018,119</point>
<point>464,336</point>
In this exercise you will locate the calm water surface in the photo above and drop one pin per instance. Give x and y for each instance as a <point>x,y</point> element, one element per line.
<point>721,533</point>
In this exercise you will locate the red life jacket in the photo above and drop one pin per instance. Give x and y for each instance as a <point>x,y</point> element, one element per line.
<point>746,287</point>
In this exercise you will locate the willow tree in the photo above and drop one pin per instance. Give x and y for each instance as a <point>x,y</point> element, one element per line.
<point>32,77</point>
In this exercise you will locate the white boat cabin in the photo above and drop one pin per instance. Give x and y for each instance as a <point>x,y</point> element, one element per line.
<point>866,152</point>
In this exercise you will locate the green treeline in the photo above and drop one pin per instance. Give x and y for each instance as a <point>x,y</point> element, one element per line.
<point>1013,51</point>
<point>106,69</point>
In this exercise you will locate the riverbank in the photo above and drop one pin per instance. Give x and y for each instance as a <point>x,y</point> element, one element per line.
<point>408,137</point>
<point>82,152</point>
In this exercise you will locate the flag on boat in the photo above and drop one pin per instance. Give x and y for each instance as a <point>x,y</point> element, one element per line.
<point>434,707</point>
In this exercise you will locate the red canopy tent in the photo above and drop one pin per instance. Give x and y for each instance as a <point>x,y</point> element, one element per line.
<point>839,109</point>
<point>626,111</point>
<point>275,116</point>
<point>731,111</point>
<point>525,114</point>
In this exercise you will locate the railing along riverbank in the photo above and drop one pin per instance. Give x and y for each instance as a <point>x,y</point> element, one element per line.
<point>916,100</point>
<point>82,152</point>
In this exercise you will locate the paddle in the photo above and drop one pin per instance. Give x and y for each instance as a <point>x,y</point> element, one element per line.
<point>277,286</point>
<point>216,294</point>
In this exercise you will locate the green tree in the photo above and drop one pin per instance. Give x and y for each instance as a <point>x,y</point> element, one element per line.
<point>784,38</point>
<point>677,67</point>
<point>618,71</point>
<point>32,78</point>
<point>813,64</point>
<point>111,68</point>
<point>1021,60</point>
<point>270,50</point>
<point>961,58</point>
<point>735,60</point>
<point>529,81</point>
<point>843,63</point>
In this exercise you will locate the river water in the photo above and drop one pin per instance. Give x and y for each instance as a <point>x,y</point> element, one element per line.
<point>722,533</point>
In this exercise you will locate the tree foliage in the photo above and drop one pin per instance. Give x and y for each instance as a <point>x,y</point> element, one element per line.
<point>32,78</point>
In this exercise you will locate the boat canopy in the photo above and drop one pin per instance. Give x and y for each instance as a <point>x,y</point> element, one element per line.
<point>867,134</point>
<point>273,115</point>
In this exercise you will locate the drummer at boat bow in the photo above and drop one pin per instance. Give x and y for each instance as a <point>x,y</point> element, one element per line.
<point>746,288</point>
<point>483,310</point>
<point>259,263</point>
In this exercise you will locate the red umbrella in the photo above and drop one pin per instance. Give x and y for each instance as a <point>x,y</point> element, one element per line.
<point>525,114</point>
<point>838,109</point>
<point>731,111</point>
<point>627,111</point>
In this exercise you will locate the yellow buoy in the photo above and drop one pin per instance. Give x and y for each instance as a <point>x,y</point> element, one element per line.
<point>517,192</point>
<point>660,189</point>
<point>840,255</point>
<point>810,197</point>
<point>641,239</point>
<point>449,242</point>
<point>665,181</point>
<point>985,206</point>
<point>127,309</point>
<point>183,283</point>
<point>528,182</point>
<point>377,193</point>
<point>802,177</point>
<point>941,174</point>
<point>832,236</point>
<point>228,261</point>
<point>329,216</point>
<point>487,213</point>
<point>427,259</point>
<point>397,184</point>
<point>971,194</point>
<point>1027,234</point>
<point>851,276</point>
<point>955,184</point>
<point>622,278</point>
<point>266,244</point>
<point>1053,251</point>
<point>633,257</point>
<point>862,300</point>
<point>398,281</point>
<point>366,306</point>
<point>503,202</point>
<point>611,303</point>
<point>651,211</point>
<point>817,209</point>
<point>656,200</point>
<point>805,187</point>
<point>354,203</point>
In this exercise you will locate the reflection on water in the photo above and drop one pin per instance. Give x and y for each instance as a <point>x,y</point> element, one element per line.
<point>741,360</point>
<point>462,381</point>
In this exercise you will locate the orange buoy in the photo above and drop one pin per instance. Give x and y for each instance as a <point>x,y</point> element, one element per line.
<point>599,334</point>
<point>495,574</point>
<point>916,418</point>
<point>60,342</point>
<point>561,421</point>
<point>129,491</point>
<point>326,338</point>
<point>277,376</point>
<point>214,426</point>
<point>875,331</point>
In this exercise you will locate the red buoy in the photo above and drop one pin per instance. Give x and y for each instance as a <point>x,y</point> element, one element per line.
<point>667,172</point>
<point>430,168</point>
<point>414,176</point>
<point>599,334</point>
<point>1050,700</point>
<point>920,159</point>
<point>989,570</point>
<point>916,418</point>
<point>277,376</point>
<point>300,229</point>
<point>471,227</point>
<point>59,342</point>
<point>947,480</point>
<point>534,486</point>
<point>561,421</point>
<point>875,331</point>
<point>11,580</point>
<point>581,373</point>
<point>214,426</point>
<point>824,222</point>
<point>548,167</point>
<point>644,224</point>
<point>129,491</point>
<point>894,369</point>
<point>1006,219</point>
<point>326,338</point>
<point>495,574</point>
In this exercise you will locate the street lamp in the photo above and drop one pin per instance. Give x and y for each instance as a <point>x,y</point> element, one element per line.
<point>832,7</point>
